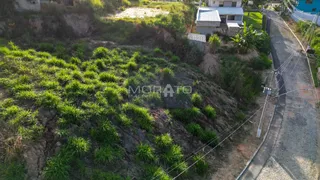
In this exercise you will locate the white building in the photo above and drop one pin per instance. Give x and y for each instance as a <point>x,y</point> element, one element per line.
<point>221,15</point>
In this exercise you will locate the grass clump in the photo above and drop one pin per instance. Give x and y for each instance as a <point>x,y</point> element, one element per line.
<point>154,172</point>
<point>100,52</point>
<point>112,95</point>
<point>106,133</point>
<point>167,74</point>
<point>153,99</point>
<point>108,77</point>
<point>58,167</point>
<point>196,99</point>
<point>140,114</point>
<point>204,135</point>
<point>79,145</point>
<point>164,140</point>
<point>210,112</point>
<point>107,154</point>
<point>49,100</point>
<point>12,170</point>
<point>173,155</point>
<point>201,166</point>
<point>26,95</point>
<point>145,153</point>
<point>186,115</point>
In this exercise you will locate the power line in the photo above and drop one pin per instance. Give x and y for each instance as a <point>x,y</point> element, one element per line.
<point>217,145</point>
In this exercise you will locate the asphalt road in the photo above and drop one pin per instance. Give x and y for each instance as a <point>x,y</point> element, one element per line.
<point>290,150</point>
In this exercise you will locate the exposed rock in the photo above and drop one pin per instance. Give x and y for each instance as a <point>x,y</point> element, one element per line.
<point>35,160</point>
<point>80,24</point>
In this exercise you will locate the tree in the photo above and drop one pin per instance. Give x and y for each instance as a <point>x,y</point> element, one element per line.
<point>214,42</point>
<point>245,39</point>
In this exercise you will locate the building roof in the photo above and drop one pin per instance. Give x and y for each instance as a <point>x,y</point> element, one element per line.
<point>197,37</point>
<point>208,15</point>
<point>223,10</point>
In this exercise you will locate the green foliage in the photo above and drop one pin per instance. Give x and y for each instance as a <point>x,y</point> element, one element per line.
<point>164,140</point>
<point>254,19</point>
<point>167,74</point>
<point>105,133</point>
<point>205,135</point>
<point>153,99</point>
<point>112,95</point>
<point>186,115</point>
<point>214,42</point>
<point>26,95</point>
<point>158,51</point>
<point>210,112</point>
<point>108,77</point>
<point>107,154</point>
<point>196,99</point>
<point>145,153</point>
<point>100,52</point>
<point>263,42</point>
<point>58,167</point>
<point>12,170</point>
<point>78,145</point>
<point>98,174</point>
<point>245,39</point>
<point>173,155</point>
<point>139,114</point>
<point>201,166</point>
<point>153,172</point>
<point>261,63</point>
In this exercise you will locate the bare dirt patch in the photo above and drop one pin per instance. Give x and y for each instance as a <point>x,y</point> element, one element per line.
<point>137,12</point>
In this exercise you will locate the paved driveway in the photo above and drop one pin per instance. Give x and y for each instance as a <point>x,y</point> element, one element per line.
<point>291,149</point>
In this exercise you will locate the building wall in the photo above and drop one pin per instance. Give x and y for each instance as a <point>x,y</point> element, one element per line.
<point>205,23</point>
<point>205,29</point>
<point>27,5</point>
<point>215,3</point>
<point>309,7</point>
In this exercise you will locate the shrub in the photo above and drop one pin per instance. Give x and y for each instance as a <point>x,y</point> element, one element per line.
<point>12,170</point>
<point>106,154</point>
<point>26,95</point>
<point>196,99</point>
<point>100,52</point>
<point>100,64</point>
<point>263,43</point>
<point>167,74</point>
<point>240,116</point>
<point>153,98</point>
<point>164,140</point>
<point>195,129</point>
<point>108,77</point>
<point>98,174</point>
<point>126,2</point>
<point>57,168</point>
<point>78,145</point>
<point>173,155</point>
<point>139,114</point>
<point>131,65</point>
<point>201,166</point>
<point>145,153</point>
<point>210,112</point>
<point>70,113</point>
<point>49,100</point>
<point>175,59</point>
<point>124,120</point>
<point>261,63</point>
<point>75,60</point>
<point>186,115</point>
<point>112,95</point>
<point>90,74</point>
<point>214,42</point>
<point>158,51</point>
<point>208,136</point>
<point>105,133</point>
<point>153,172</point>
<point>49,84</point>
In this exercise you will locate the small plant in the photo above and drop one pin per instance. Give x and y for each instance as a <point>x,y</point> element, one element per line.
<point>195,129</point>
<point>100,52</point>
<point>167,74</point>
<point>154,172</point>
<point>164,140</point>
<point>210,112</point>
<point>78,145</point>
<point>139,114</point>
<point>26,95</point>
<point>70,113</point>
<point>132,65</point>
<point>49,100</point>
<point>186,115</point>
<point>75,60</point>
<point>173,155</point>
<point>124,120</point>
<point>106,154</point>
<point>112,95</point>
<point>90,74</point>
<point>106,133</point>
<point>100,64</point>
<point>126,2</point>
<point>145,153</point>
<point>175,59</point>
<point>196,99</point>
<point>201,166</point>
<point>214,42</point>
<point>158,51</point>
<point>153,98</point>
<point>108,77</point>
<point>57,168</point>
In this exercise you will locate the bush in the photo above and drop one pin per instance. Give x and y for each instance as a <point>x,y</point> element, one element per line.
<point>175,59</point>
<point>140,114</point>
<point>164,140</point>
<point>126,2</point>
<point>100,64</point>
<point>12,170</point>
<point>26,95</point>
<point>173,155</point>
<point>70,113</point>
<point>107,154</point>
<point>195,129</point>
<point>145,153</point>
<point>78,145</point>
<point>263,43</point>
<point>196,99</point>
<point>49,100</point>
<point>214,42</point>
<point>186,115</point>
<point>100,52</point>
<point>204,135</point>
<point>167,74</point>
<point>153,172</point>
<point>105,133</point>
<point>57,168</point>
<point>158,51</point>
<point>210,112</point>
<point>112,95</point>
<point>201,166</point>
<point>261,63</point>
<point>108,77</point>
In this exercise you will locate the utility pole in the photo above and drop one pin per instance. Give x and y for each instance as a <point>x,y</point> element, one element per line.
<point>267,91</point>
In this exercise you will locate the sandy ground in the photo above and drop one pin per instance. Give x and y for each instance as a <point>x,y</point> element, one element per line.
<point>137,12</point>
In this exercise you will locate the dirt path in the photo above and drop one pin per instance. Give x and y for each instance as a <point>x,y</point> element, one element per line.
<point>137,12</point>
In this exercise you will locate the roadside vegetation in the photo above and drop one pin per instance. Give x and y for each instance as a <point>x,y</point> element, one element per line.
<point>254,19</point>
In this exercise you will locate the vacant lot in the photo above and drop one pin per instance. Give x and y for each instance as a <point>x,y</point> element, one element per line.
<point>136,12</point>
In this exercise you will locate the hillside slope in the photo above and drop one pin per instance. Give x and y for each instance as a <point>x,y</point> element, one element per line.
<point>81,119</point>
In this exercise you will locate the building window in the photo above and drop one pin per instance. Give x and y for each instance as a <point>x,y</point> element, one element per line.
<point>220,3</point>
<point>232,18</point>
<point>234,4</point>
<point>309,1</point>
<point>314,9</point>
